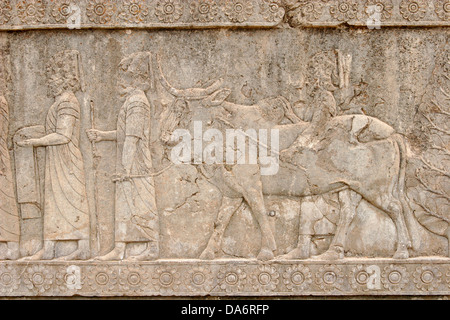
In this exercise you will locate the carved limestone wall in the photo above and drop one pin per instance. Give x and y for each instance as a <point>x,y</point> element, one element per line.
<point>224,148</point>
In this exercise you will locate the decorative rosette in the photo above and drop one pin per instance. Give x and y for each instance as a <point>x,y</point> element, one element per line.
<point>38,278</point>
<point>204,10</point>
<point>102,279</point>
<point>271,10</point>
<point>238,10</point>
<point>330,278</point>
<point>360,278</point>
<point>427,278</point>
<point>309,10</point>
<point>31,11</point>
<point>382,9</point>
<point>442,9</point>
<point>9,279</point>
<point>198,279</point>
<point>265,279</point>
<point>297,278</point>
<point>394,278</point>
<point>231,279</point>
<point>344,10</point>
<point>5,12</point>
<point>166,281</point>
<point>133,11</point>
<point>413,10</point>
<point>133,279</point>
<point>69,280</point>
<point>100,11</point>
<point>62,10</point>
<point>169,11</point>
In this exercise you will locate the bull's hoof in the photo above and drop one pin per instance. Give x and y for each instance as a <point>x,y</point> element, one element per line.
<point>265,254</point>
<point>401,253</point>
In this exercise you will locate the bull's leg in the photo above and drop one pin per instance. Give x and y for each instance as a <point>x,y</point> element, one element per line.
<point>394,209</point>
<point>226,211</point>
<point>254,197</point>
<point>349,201</point>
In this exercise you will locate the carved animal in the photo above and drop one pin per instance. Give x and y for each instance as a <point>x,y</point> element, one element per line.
<point>369,160</point>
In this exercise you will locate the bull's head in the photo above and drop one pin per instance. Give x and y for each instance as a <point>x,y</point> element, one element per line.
<point>212,95</point>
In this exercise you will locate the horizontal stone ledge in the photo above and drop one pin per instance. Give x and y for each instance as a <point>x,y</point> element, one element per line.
<point>188,26</point>
<point>154,26</point>
<point>227,277</point>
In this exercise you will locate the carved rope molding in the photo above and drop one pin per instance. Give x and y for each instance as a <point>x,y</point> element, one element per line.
<point>227,278</point>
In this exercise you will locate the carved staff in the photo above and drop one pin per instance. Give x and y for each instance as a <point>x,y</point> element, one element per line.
<point>95,162</point>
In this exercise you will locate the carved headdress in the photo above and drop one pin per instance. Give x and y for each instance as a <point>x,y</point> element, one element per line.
<point>138,70</point>
<point>65,70</point>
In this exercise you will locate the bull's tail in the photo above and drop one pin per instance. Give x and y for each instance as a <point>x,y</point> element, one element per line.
<point>411,223</point>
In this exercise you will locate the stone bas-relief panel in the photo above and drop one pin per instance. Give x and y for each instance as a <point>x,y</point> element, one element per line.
<point>278,160</point>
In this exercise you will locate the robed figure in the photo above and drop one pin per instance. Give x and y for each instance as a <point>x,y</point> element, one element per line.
<point>66,212</point>
<point>136,216</point>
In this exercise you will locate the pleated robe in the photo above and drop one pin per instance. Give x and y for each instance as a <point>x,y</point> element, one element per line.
<point>136,216</point>
<point>9,216</point>
<point>66,213</point>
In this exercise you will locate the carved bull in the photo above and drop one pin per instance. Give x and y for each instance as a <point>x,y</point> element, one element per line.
<point>366,163</point>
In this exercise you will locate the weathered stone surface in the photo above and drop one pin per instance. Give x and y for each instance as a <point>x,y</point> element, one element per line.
<point>228,148</point>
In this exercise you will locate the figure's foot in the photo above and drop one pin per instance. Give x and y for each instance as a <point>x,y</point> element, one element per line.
<point>334,253</point>
<point>265,254</point>
<point>208,254</point>
<point>42,254</point>
<point>401,253</point>
<point>297,253</point>
<point>210,251</point>
<point>76,255</point>
<point>149,254</point>
<point>12,255</point>
<point>10,251</point>
<point>114,255</point>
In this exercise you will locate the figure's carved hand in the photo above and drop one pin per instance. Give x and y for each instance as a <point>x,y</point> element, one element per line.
<point>288,155</point>
<point>94,135</point>
<point>27,143</point>
<point>118,177</point>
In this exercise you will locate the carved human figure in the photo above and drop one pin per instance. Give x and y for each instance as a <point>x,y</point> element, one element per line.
<point>320,87</point>
<point>9,216</point>
<point>136,216</point>
<point>326,77</point>
<point>66,213</point>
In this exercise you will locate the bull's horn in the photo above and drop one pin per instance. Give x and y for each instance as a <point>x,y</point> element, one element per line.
<point>191,93</point>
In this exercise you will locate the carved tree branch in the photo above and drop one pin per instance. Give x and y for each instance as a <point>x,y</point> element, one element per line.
<point>434,168</point>
<point>435,127</point>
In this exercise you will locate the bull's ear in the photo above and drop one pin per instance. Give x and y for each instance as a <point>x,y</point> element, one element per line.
<point>219,96</point>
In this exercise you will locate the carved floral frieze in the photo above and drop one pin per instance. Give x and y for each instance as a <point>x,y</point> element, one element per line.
<point>36,14</point>
<point>225,278</point>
